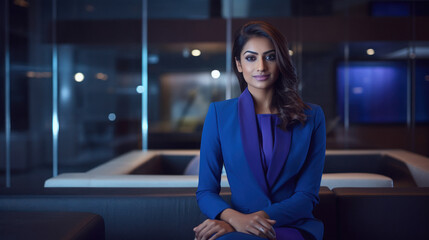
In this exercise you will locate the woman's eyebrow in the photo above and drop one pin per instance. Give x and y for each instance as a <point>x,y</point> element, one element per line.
<point>248,51</point>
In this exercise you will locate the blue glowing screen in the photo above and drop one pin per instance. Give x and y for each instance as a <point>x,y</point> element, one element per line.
<point>377,91</point>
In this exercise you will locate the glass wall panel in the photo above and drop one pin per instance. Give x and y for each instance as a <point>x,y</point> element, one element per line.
<point>99,63</point>
<point>186,54</point>
<point>19,86</point>
<point>29,91</point>
<point>316,67</point>
<point>421,139</point>
<point>256,9</point>
<point>4,13</point>
<point>378,75</point>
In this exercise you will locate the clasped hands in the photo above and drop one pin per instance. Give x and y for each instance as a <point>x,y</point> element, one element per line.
<point>257,223</point>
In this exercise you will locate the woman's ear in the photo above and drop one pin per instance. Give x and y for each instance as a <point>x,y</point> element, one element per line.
<point>238,64</point>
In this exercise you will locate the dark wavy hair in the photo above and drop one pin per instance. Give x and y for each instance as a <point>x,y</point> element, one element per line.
<point>285,98</point>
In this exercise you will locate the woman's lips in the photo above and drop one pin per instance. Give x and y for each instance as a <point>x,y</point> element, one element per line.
<point>261,77</point>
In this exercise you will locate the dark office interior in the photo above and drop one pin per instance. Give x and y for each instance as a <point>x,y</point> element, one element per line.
<point>84,82</point>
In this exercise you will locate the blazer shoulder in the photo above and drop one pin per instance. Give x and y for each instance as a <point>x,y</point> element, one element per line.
<point>313,106</point>
<point>226,105</point>
<point>315,112</point>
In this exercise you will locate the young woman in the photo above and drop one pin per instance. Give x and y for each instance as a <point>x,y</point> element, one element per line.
<point>271,143</point>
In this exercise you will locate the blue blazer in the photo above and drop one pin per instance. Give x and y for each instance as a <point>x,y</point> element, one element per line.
<point>290,189</point>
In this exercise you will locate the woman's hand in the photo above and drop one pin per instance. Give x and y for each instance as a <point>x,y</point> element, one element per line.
<point>212,229</point>
<point>257,223</point>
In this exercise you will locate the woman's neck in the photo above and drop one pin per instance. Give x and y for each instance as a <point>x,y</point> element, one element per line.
<point>262,100</point>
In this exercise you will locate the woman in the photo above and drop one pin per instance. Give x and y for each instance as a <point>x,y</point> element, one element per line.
<point>271,143</point>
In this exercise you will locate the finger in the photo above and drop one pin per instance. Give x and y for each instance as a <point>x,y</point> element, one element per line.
<point>196,228</point>
<point>212,233</point>
<point>218,234</point>
<point>204,233</point>
<point>272,235</point>
<point>264,222</point>
<point>200,232</point>
<point>252,231</point>
<point>259,231</point>
<point>209,231</point>
<point>267,224</point>
<point>271,221</point>
<point>270,227</point>
<point>267,232</point>
<point>199,227</point>
<point>272,232</point>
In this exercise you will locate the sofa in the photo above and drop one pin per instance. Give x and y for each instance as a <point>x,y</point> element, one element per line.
<point>171,213</point>
<point>56,225</point>
<point>144,195</point>
<point>385,213</point>
<point>167,168</point>
<point>138,213</point>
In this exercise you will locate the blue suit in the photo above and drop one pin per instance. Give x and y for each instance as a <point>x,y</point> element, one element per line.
<point>289,190</point>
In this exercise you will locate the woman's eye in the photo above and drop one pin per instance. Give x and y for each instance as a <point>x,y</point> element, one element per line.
<point>250,58</point>
<point>271,57</point>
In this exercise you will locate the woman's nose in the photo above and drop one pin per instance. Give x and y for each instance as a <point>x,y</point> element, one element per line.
<point>261,65</point>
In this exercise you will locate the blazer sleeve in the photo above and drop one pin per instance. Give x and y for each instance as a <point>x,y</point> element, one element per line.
<point>306,195</point>
<point>211,163</point>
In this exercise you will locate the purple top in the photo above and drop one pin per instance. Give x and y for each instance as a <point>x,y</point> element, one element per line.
<point>266,129</point>
<point>252,145</point>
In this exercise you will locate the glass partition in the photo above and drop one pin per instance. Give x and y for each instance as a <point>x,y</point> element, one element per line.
<point>4,159</point>
<point>99,70</point>
<point>186,69</point>
<point>27,105</point>
<point>377,78</point>
<point>421,97</point>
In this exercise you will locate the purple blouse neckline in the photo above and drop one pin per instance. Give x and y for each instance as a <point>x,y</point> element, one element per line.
<point>248,122</point>
<point>266,129</point>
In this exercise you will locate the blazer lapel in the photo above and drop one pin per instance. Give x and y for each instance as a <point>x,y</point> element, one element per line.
<point>249,137</point>
<point>281,149</point>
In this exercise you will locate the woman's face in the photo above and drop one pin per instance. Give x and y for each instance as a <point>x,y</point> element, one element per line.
<point>258,64</point>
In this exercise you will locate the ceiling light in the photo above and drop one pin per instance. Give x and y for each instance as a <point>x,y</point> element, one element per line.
<point>79,77</point>
<point>370,51</point>
<point>215,74</point>
<point>196,52</point>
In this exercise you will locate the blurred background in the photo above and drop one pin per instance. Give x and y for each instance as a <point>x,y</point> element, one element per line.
<point>85,81</point>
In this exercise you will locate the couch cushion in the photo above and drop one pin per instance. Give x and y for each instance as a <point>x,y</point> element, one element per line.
<point>138,213</point>
<point>127,216</point>
<point>327,213</point>
<point>51,225</point>
<point>125,181</point>
<point>334,180</point>
<point>382,213</point>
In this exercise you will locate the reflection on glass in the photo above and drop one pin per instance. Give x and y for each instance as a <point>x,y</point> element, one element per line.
<point>187,78</point>
<point>99,62</point>
<point>112,117</point>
